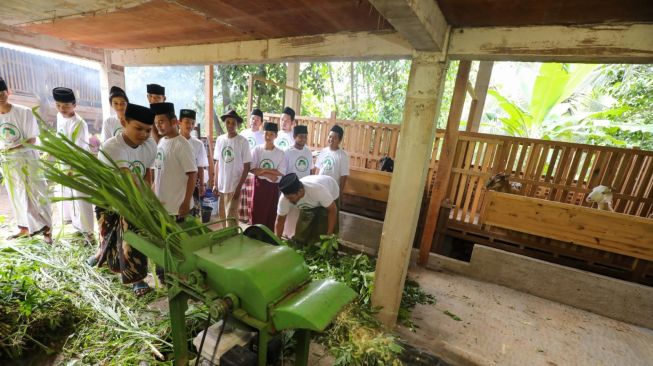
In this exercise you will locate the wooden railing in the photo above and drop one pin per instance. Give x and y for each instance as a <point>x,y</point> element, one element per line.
<point>551,170</point>
<point>365,142</point>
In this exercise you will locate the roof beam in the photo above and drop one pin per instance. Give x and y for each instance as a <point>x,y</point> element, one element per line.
<point>47,43</point>
<point>420,21</point>
<point>333,47</point>
<point>622,43</point>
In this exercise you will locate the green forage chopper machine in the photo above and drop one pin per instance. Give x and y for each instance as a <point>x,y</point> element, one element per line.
<point>248,275</point>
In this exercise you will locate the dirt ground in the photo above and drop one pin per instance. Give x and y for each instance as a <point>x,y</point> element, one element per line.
<point>500,326</point>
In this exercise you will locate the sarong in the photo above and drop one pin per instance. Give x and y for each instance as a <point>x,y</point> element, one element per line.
<point>264,202</point>
<point>119,256</point>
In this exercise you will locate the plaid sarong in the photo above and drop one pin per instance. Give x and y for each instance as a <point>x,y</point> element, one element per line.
<point>245,211</point>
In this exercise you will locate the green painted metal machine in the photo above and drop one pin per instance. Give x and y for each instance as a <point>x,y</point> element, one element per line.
<point>249,275</point>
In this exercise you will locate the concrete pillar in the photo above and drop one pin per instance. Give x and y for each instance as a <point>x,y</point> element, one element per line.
<point>423,96</point>
<point>110,75</point>
<point>292,79</point>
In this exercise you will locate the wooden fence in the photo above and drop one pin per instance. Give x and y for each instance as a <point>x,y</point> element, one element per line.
<point>365,142</point>
<point>551,170</point>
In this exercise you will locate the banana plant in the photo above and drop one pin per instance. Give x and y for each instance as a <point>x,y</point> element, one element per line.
<point>546,112</point>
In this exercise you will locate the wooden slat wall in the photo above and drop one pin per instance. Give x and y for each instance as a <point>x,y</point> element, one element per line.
<point>36,75</point>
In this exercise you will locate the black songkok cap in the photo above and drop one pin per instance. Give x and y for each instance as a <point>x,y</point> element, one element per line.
<point>257,112</point>
<point>117,92</point>
<point>290,184</point>
<point>163,108</point>
<point>337,129</point>
<point>139,113</point>
<point>3,85</point>
<point>233,114</point>
<point>63,95</point>
<point>187,113</point>
<point>289,111</point>
<point>271,126</point>
<point>299,129</point>
<point>156,89</point>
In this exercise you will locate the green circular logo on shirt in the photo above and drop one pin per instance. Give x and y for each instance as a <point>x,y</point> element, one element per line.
<point>267,164</point>
<point>160,158</point>
<point>251,141</point>
<point>9,133</point>
<point>328,163</point>
<point>137,167</point>
<point>301,164</point>
<point>283,143</point>
<point>227,154</point>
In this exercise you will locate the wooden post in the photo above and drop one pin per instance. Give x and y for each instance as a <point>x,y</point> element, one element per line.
<point>446,161</point>
<point>292,79</point>
<point>110,75</point>
<point>423,97</point>
<point>208,116</point>
<point>480,90</point>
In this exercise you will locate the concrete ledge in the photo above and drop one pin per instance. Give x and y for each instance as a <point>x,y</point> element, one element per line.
<point>613,298</point>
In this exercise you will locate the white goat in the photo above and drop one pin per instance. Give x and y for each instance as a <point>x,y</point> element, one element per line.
<point>602,196</point>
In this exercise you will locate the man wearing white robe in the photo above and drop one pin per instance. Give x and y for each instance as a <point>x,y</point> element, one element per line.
<point>24,181</point>
<point>71,125</point>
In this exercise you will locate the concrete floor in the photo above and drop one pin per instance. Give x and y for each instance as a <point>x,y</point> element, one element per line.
<point>500,326</point>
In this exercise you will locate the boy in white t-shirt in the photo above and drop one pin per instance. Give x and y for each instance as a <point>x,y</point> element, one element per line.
<point>134,151</point>
<point>155,94</point>
<point>175,168</point>
<point>186,126</point>
<point>255,136</point>
<point>24,180</point>
<point>112,125</point>
<point>334,161</point>
<point>268,165</point>
<point>285,138</point>
<point>232,164</point>
<point>71,125</point>
<point>299,160</point>
<point>315,196</point>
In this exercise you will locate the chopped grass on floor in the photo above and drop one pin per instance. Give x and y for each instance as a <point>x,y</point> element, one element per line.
<point>356,337</point>
<point>112,326</point>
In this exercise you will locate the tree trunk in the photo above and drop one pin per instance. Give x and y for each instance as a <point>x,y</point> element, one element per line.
<point>225,84</point>
<point>352,78</point>
<point>333,88</point>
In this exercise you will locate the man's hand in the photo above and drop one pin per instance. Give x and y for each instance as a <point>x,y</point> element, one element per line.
<point>216,192</point>
<point>184,209</point>
<point>202,190</point>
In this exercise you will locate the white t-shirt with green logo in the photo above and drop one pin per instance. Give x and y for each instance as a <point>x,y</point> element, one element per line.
<point>319,190</point>
<point>333,163</point>
<point>284,140</point>
<point>253,138</point>
<point>199,152</point>
<point>269,159</point>
<point>17,126</point>
<point>137,159</point>
<point>299,162</point>
<point>231,155</point>
<point>75,128</point>
<point>110,127</point>
<point>174,158</point>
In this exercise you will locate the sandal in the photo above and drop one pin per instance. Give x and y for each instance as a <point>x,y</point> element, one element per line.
<point>46,232</point>
<point>141,288</point>
<point>21,234</point>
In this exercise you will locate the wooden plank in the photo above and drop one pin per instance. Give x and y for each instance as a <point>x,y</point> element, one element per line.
<point>480,87</point>
<point>603,43</point>
<point>368,183</point>
<point>480,188</point>
<point>604,230</point>
<point>344,46</point>
<point>473,179</point>
<point>445,162</point>
<point>642,189</point>
<point>208,119</point>
<point>571,174</point>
